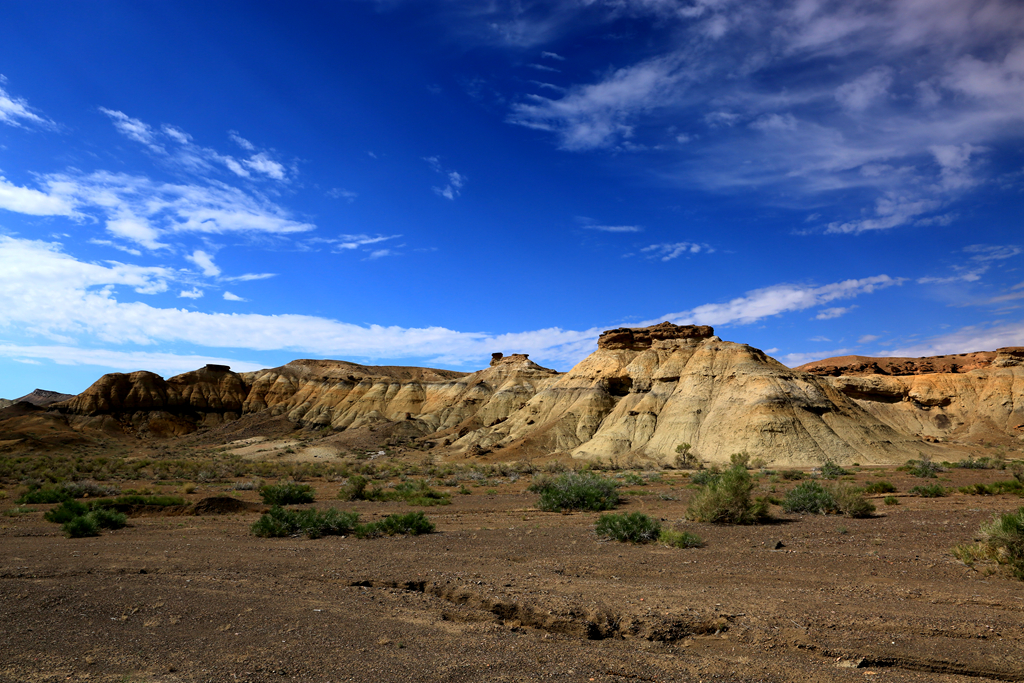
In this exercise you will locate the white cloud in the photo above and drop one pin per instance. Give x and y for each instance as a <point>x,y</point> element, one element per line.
<point>830,313</point>
<point>966,339</point>
<point>667,252</point>
<point>144,211</point>
<point>770,301</point>
<point>819,339</point>
<point>134,129</point>
<point>32,202</point>
<point>614,228</point>
<point>340,193</point>
<point>14,111</point>
<point>350,242</point>
<point>264,164</point>
<point>241,142</point>
<point>248,277</point>
<point>194,293</point>
<point>125,361</point>
<point>379,253</point>
<point>205,262</point>
<point>228,296</point>
<point>455,180</point>
<point>868,338</point>
<point>859,94</point>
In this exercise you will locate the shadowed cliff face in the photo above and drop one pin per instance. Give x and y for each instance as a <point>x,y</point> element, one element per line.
<point>643,392</point>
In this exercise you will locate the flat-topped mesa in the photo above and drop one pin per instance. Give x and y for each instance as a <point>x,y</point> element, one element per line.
<point>639,338</point>
<point>955,363</point>
<point>498,358</point>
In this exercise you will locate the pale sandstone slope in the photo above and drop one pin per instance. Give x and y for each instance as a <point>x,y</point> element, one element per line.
<point>977,397</point>
<point>644,392</point>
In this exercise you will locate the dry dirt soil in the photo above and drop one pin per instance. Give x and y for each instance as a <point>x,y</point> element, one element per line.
<point>505,592</point>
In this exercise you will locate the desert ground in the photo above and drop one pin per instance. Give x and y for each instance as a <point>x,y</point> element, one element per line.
<point>501,591</point>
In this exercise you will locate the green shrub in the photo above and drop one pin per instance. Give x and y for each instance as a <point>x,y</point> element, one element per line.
<point>728,500</point>
<point>832,470</point>
<point>809,497</point>
<point>995,488</point>
<point>680,539</point>
<point>685,459</point>
<point>633,479</point>
<point>66,511</point>
<point>850,501</point>
<point>930,491</point>
<point>42,496</point>
<point>576,491</point>
<point>813,498</point>
<point>879,487</point>
<point>891,500</point>
<point>632,527</point>
<point>109,519</point>
<point>314,524</point>
<point>88,489</point>
<point>414,493</point>
<point>409,524</point>
<point>354,488</point>
<point>924,468</point>
<point>971,464</point>
<point>741,459</point>
<point>288,493</point>
<point>80,527</point>
<point>706,477</point>
<point>791,475</point>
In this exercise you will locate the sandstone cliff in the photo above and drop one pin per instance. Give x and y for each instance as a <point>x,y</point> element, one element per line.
<point>974,397</point>
<point>644,392</point>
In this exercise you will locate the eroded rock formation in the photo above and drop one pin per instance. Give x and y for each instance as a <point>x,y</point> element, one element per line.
<point>972,397</point>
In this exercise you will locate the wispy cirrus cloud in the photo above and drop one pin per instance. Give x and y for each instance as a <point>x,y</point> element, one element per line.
<point>15,111</point>
<point>673,250</point>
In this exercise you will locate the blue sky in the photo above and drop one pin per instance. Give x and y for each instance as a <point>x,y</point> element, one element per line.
<point>424,183</point>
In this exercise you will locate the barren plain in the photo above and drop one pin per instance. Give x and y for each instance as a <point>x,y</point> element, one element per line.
<point>501,590</point>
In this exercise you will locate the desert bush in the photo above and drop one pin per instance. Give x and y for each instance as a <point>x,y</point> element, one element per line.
<point>930,491</point>
<point>631,527</point>
<point>416,493</point>
<point>314,524</point>
<point>891,500</point>
<point>850,501</point>
<point>42,496</point>
<point>879,487</point>
<point>80,527</point>
<point>251,485</point>
<point>576,491</point>
<point>409,524</point>
<point>685,459</point>
<point>791,475</point>
<point>970,463</point>
<point>924,468</point>
<point>88,489</point>
<point>832,470</point>
<point>809,497</point>
<point>813,498</point>
<point>741,459</point>
<point>994,488</point>
<point>109,519</point>
<point>137,499</point>
<point>633,479</point>
<point>288,493</point>
<point>680,539</point>
<point>66,511</point>
<point>728,500</point>
<point>354,488</point>
<point>706,477</point>
<point>1017,469</point>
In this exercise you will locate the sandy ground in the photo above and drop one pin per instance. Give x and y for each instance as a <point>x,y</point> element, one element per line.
<point>504,592</point>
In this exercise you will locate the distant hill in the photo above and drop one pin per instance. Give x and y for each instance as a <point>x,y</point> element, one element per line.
<point>41,398</point>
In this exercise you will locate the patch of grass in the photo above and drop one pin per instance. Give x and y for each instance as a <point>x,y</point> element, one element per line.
<point>310,522</point>
<point>288,493</point>
<point>706,477</point>
<point>879,487</point>
<point>1002,544</point>
<point>728,500</point>
<point>891,500</point>
<point>88,489</point>
<point>970,463</point>
<point>576,491</point>
<point>416,492</point>
<point>995,488</point>
<point>137,499</point>
<point>633,479</point>
<point>680,539</point>
<point>409,524</point>
<point>930,491</point>
<point>630,527</point>
<point>813,498</point>
<point>15,511</point>
<point>791,475</point>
